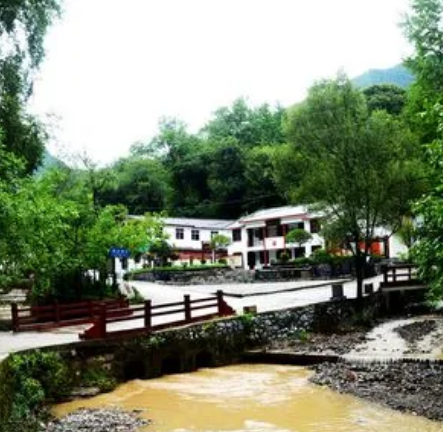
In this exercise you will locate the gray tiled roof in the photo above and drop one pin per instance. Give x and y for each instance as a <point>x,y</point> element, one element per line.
<point>198,223</point>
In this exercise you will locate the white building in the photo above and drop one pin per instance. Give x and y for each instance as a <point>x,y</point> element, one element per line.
<point>191,237</point>
<point>259,239</point>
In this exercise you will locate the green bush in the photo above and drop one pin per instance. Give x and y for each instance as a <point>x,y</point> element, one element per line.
<point>301,262</point>
<point>320,256</point>
<point>223,261</point>
<point>28,383</point>
<point>284,257</point>
<point>96,376</point>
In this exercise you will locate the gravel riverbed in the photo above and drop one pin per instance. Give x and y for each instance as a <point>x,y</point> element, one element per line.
<point>410,387</point>
<point>98,420</point>
<point>317,343</point>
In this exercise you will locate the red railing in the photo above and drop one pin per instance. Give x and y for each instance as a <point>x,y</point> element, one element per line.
<point>64,314</point>
<point>145,314</point>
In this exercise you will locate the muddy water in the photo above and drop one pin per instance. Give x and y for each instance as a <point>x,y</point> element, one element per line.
<point>250,398</point>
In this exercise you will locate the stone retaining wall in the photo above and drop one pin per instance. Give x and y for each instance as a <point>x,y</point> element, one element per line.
<point>197,277</point>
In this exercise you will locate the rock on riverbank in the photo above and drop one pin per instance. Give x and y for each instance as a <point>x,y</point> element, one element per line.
<point>101,420</point>
<point>410,387</point>
<point>317,343</point>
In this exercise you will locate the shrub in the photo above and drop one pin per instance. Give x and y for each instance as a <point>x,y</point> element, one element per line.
<point>97,376</point>
<point>301,262</point>
<point>28,382</point>
<point>320,256</point>
<point>284,257</point>
<point>223,261</point>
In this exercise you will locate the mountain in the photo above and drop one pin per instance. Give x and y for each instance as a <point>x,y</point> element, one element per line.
<point>49,161</point>
<point>397,75</point>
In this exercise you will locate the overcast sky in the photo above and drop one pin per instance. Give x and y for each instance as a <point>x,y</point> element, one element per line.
<point>114,67</point>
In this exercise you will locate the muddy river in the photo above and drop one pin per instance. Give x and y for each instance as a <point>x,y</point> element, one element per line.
<point>251,398</point>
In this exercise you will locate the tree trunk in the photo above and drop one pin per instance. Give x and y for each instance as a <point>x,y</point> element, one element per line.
<point>359,271</point>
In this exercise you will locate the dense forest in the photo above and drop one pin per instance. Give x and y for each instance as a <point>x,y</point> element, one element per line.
<point>237,163</point>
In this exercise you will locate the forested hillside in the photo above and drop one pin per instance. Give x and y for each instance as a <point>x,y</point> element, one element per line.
<point>398,75</point>
<point>237,163</point>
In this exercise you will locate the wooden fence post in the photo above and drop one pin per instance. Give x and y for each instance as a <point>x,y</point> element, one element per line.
<point>385,274</point>
<point>102,321</point>
<point>14,314</point>
<point>56,311</point>
<point>91,309</point>
<point>187,301</point>
<point>148,314</point>
<point>220,303</point>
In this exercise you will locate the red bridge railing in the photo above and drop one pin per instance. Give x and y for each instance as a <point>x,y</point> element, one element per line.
<point>64,314</point>
<point>142,317</point>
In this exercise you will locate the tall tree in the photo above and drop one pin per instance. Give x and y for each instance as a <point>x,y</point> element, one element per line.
<point>359,169</point>
<point>388,97</point>
<point>248,126</point>
<point>424,30</point>
<point>140,184</point>
<point>23,25</point>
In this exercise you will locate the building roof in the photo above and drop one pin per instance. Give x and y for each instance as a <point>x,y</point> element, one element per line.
<point>214,224</point>
<point>275,213</point>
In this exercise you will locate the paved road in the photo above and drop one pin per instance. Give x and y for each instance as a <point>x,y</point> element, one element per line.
<point>10,342</point>
<point>285,298</point>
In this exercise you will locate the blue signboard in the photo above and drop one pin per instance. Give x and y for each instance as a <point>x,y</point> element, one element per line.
<point>118,252</point>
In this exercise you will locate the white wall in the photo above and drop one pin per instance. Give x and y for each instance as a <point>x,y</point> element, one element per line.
<point>187,242</point>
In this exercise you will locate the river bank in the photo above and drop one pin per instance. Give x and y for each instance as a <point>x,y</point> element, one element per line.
<point>415,388</point>
<point>98,420</point>
<point>396,364</point>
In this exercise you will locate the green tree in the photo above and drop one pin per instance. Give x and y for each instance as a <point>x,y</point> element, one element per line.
<point>260,186</point>
<point>359,169</point>
<point>140,184</point>
<point>246,125</point>
<point>23,25</point>
<point>424,30</point>
<point>427,250</point>
<point>298,236</point>
<point>388,97</point>
<point>219,242</point>
<point>226,179</point>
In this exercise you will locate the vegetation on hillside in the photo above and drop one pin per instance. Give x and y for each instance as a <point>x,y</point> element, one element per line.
<point>398,75</point>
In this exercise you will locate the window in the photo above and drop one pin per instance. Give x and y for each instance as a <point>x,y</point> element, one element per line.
<point>236,235</point>
<point>179,233</point>
<point>195,235</point>
<point>214,233</point>
<point>315,226</point>
<point>272,231</point>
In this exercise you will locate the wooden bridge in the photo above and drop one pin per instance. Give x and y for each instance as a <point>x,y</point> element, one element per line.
<point>55,315</point>
<point>398,279</point>
<point>173,314</point>
<point>401,277</point>
<point>115,318</point>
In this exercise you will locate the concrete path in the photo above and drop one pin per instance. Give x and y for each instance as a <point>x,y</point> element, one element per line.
<point>286,294</point>
<point>280,299</point>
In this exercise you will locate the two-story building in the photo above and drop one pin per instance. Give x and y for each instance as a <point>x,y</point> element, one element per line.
<point>191,237</point>
<point>260,238</point>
